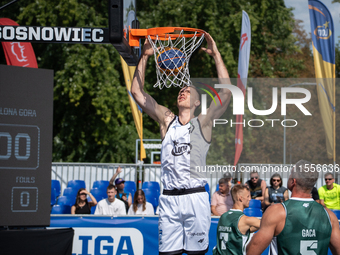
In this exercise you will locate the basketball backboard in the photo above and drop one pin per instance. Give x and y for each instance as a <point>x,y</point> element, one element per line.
<point>122,17</point>
<point>129,15</point>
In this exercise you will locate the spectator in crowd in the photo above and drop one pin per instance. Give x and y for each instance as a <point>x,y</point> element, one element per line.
<point>315,195</point>
<point>110,205</point>
<point>276,193</point>
<point>140,206</point>
<point>221,200</point>
<point>82,206</point>
<point>299,225</point>
<point>256,186</point>
<point>234,227</point>
<point>121,194</point>
<point>330,193</point>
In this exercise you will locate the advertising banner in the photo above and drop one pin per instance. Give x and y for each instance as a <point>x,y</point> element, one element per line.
<point>117,235</point>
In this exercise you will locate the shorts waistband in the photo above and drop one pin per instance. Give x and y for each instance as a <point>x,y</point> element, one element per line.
<point>178,192</point>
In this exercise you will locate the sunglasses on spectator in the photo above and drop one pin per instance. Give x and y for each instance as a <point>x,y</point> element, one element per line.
<point>328,179</point>
<point>254,178</point>
<point>276,180</point>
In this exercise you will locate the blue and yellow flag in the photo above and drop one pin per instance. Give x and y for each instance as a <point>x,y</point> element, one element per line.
<point>137,112</point>
<point>322,30</point>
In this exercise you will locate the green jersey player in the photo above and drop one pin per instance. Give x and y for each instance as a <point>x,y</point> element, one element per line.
<point>234,227</point>
<point>299,225</point>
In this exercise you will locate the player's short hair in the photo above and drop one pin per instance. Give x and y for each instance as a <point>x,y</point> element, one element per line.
<point>110,187</point>
<point>305,175</point>
<point>197,90</point>
<point>236,189</point>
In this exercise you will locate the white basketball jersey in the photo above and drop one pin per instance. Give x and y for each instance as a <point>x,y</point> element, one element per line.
<point>184,152</point>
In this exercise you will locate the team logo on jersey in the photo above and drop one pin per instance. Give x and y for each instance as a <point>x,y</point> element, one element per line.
<point>201,240</point>
<point>180,148</point>
<point>305,205</point>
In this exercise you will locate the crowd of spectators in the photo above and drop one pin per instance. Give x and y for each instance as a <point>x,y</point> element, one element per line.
<point>121,202</point>
<point>327,195</point>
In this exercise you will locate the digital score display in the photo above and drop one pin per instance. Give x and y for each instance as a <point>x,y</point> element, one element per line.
<point>26,122</point>
<point>20,146</point>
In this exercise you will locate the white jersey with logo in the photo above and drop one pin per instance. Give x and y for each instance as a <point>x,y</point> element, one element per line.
<point>184,152</point>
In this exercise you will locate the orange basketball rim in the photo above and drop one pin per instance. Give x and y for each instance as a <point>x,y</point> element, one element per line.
<point>162,33</point>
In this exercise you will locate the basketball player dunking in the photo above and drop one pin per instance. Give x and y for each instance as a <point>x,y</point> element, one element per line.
<point>184,210</point>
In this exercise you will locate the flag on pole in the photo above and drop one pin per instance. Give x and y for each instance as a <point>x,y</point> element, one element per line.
<point>322,30</point>
<point>137,112</point>
<point>242,75</point>
<point>18,53</point>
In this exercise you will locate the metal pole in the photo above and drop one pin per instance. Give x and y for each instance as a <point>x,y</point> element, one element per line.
<point>8,4</point>
<point>136,155</point>
<point>284,141</point>
<point>284,118</point>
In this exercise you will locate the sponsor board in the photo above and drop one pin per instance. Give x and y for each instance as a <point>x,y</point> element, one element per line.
<point>53,34</point>
<point>112,241</point>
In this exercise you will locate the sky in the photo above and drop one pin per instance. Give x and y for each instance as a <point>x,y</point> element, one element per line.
<point>301,12</point>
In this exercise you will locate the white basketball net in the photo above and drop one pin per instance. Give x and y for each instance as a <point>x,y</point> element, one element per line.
<point>179,76</point>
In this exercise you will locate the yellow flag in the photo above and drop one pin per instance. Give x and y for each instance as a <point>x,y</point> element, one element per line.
<point>137,112</point>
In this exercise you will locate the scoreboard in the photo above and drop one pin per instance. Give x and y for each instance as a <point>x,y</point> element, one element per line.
<point>26,121</point>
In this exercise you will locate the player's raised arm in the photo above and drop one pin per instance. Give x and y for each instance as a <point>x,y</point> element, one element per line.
<point>149,105</point>
<point>215,111</point>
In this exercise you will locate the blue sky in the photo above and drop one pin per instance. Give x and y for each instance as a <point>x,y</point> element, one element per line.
<point>301,12</point>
